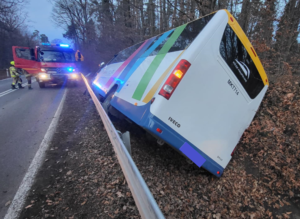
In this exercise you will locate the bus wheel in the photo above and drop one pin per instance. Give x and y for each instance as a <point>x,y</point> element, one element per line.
<point>106,102</point>
<point>100,98</point>
<point>42,84</point>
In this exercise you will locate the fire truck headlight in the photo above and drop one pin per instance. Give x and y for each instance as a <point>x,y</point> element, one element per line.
<point>74,76</point>
<point>43,76</point>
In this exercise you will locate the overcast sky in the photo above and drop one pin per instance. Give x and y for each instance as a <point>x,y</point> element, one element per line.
<point>39,15</point>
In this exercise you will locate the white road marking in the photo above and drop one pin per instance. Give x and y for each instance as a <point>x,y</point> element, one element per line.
<point>7,92</point>
<point>19,200</point>
<point>5,79</point>
<point>12,90</point>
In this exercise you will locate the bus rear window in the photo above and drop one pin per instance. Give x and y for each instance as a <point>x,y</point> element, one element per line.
<point>236,56</point>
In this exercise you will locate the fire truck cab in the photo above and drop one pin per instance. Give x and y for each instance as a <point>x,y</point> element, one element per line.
<point>48,63</point>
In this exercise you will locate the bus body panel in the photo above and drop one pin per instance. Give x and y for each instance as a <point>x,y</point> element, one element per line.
<point>130,86</point>
<point>104,75</point>
<point>203,109</point>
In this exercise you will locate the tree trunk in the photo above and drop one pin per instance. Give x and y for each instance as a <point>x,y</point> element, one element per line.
<point>142,17</point>
<point>245,15</point>
<point>287,33</point>
<point>174,18</point>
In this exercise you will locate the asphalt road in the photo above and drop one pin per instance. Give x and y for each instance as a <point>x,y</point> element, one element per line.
<point>25,116</point>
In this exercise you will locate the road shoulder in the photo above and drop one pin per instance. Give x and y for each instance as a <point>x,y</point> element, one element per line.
<point>80,177</point>
<point>27,182</point>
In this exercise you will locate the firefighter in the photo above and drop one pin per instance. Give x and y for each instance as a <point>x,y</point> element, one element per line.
<point>78,56</point>
<point>15,76</point>
<point>79,59</point>
<point>28,77</point>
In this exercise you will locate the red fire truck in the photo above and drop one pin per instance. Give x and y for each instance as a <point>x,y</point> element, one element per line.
<point>48,63</point>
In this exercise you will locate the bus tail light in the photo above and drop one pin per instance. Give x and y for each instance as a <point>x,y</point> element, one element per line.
<point>174,78</point>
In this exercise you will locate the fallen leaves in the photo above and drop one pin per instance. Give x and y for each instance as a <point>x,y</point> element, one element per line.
<point>119,194</point>
<point>28,206</point>
<point>84,202</point>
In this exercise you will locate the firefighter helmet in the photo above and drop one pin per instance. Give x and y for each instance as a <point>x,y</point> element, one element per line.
<point>12,62</point>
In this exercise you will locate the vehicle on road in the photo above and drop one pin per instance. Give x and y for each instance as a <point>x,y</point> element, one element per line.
<point>196,87</point>
<point>49,63</point>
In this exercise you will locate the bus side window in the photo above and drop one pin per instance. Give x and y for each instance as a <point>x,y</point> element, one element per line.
<point>124,54</point>
<point>237,58</point>
<point>190,32</point>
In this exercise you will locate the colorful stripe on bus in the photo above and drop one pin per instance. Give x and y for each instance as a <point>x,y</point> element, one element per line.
<point>145,55</point>
<point>139,92</point>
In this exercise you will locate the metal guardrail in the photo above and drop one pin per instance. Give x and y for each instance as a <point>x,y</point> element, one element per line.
<point>143,198</point>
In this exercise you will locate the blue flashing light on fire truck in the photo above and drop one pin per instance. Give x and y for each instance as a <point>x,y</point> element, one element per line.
<point>49,63</point>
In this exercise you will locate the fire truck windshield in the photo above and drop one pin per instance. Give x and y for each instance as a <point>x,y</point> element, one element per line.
<point>57,56</point>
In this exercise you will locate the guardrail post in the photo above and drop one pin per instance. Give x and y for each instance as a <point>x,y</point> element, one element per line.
<point>126,140</point>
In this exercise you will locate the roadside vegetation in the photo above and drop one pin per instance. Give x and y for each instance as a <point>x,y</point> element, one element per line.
<point>102,28</point>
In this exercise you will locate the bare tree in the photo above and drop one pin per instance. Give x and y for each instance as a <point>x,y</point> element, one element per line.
<point>13,29</point>
<point>112,25</point>
<point>73,16</point>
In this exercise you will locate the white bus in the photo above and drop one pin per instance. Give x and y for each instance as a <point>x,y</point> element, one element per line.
<point>196,87</point>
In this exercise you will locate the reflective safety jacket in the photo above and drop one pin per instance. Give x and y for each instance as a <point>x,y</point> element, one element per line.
<point>78,56</point>
<point>13,72</point>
